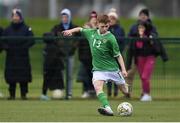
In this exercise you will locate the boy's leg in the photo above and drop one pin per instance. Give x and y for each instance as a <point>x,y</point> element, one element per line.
<point>98,85</point>
<point>124,90</point>
<point>105,110</point>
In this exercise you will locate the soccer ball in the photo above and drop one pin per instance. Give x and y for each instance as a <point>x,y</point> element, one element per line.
<point>125,109</point>
<point>57,94</point>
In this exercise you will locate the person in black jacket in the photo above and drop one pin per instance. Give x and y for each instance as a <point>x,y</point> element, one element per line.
<point>17,65</point>
<point>117,30</point>
<point>53,66</point>
<point>144,52</point>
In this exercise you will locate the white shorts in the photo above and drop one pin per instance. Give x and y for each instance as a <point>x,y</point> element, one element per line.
<point>114,76</point>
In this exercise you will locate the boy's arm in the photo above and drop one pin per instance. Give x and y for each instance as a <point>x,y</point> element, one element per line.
<point>71,31</point>
<point>121,63</point>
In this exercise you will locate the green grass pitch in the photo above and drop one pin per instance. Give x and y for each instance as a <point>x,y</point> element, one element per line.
<point>86,110</point>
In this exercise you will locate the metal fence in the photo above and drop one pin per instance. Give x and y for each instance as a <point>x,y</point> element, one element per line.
<point>164,82</point>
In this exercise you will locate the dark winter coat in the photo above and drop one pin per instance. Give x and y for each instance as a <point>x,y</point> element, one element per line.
<point>118,32</point>
<point>17,66</point>
<point>84,51</point>
<point>71,44</point>
<point>53,64</point>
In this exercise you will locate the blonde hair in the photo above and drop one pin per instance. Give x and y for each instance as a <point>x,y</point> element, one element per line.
<point>113,13</point>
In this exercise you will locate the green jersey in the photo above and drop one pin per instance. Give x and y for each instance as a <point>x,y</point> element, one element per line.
<point>104,49</point>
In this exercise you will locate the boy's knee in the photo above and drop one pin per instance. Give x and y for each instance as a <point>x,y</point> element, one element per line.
<point>98,89</point>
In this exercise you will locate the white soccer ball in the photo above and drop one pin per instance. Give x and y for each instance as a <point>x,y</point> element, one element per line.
<point>57,94</point>
<point>125,109</point>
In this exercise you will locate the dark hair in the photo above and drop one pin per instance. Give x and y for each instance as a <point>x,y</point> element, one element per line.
<point>147,25</point>
<point>103,19</point>
<point>144,11</point>
<point>93,14</point>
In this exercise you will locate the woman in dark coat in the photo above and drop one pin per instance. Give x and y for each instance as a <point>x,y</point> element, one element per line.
<point>18,68</point>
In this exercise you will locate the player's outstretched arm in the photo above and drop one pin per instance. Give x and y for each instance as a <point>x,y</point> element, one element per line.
<point>121,62</point>
<point>71,31</point>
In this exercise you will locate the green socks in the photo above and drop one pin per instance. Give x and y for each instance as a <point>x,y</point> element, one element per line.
<point>103,99</point>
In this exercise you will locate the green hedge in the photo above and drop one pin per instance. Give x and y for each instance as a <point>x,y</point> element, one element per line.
<point>167,27</point>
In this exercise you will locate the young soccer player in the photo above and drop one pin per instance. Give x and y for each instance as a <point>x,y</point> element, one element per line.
<point>105,51</point>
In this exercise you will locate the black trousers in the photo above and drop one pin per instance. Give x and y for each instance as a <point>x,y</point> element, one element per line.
<point>23,89</point>
<point>110,88</point>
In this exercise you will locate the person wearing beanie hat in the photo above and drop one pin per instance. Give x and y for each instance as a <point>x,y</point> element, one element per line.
<point>144,16</point>
<point>17,67</point>
<point>113,13</point>
<point>17,15</point>
<point>117,30</point>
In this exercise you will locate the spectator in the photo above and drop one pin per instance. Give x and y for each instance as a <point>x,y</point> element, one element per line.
<point>143,16</point>
<point>118,32</point>
<point>85,58</point>
<point>52,67</point>
<point>65,24</point>
<point>144,53</point>
<point>18,68</point>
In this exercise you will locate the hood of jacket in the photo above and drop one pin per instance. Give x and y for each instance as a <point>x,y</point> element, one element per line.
<point>68,13</point>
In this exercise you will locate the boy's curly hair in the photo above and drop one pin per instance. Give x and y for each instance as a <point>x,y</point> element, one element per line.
<point>103,19</point>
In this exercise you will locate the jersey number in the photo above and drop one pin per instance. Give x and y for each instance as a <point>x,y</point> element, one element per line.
<point>98,43</point>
